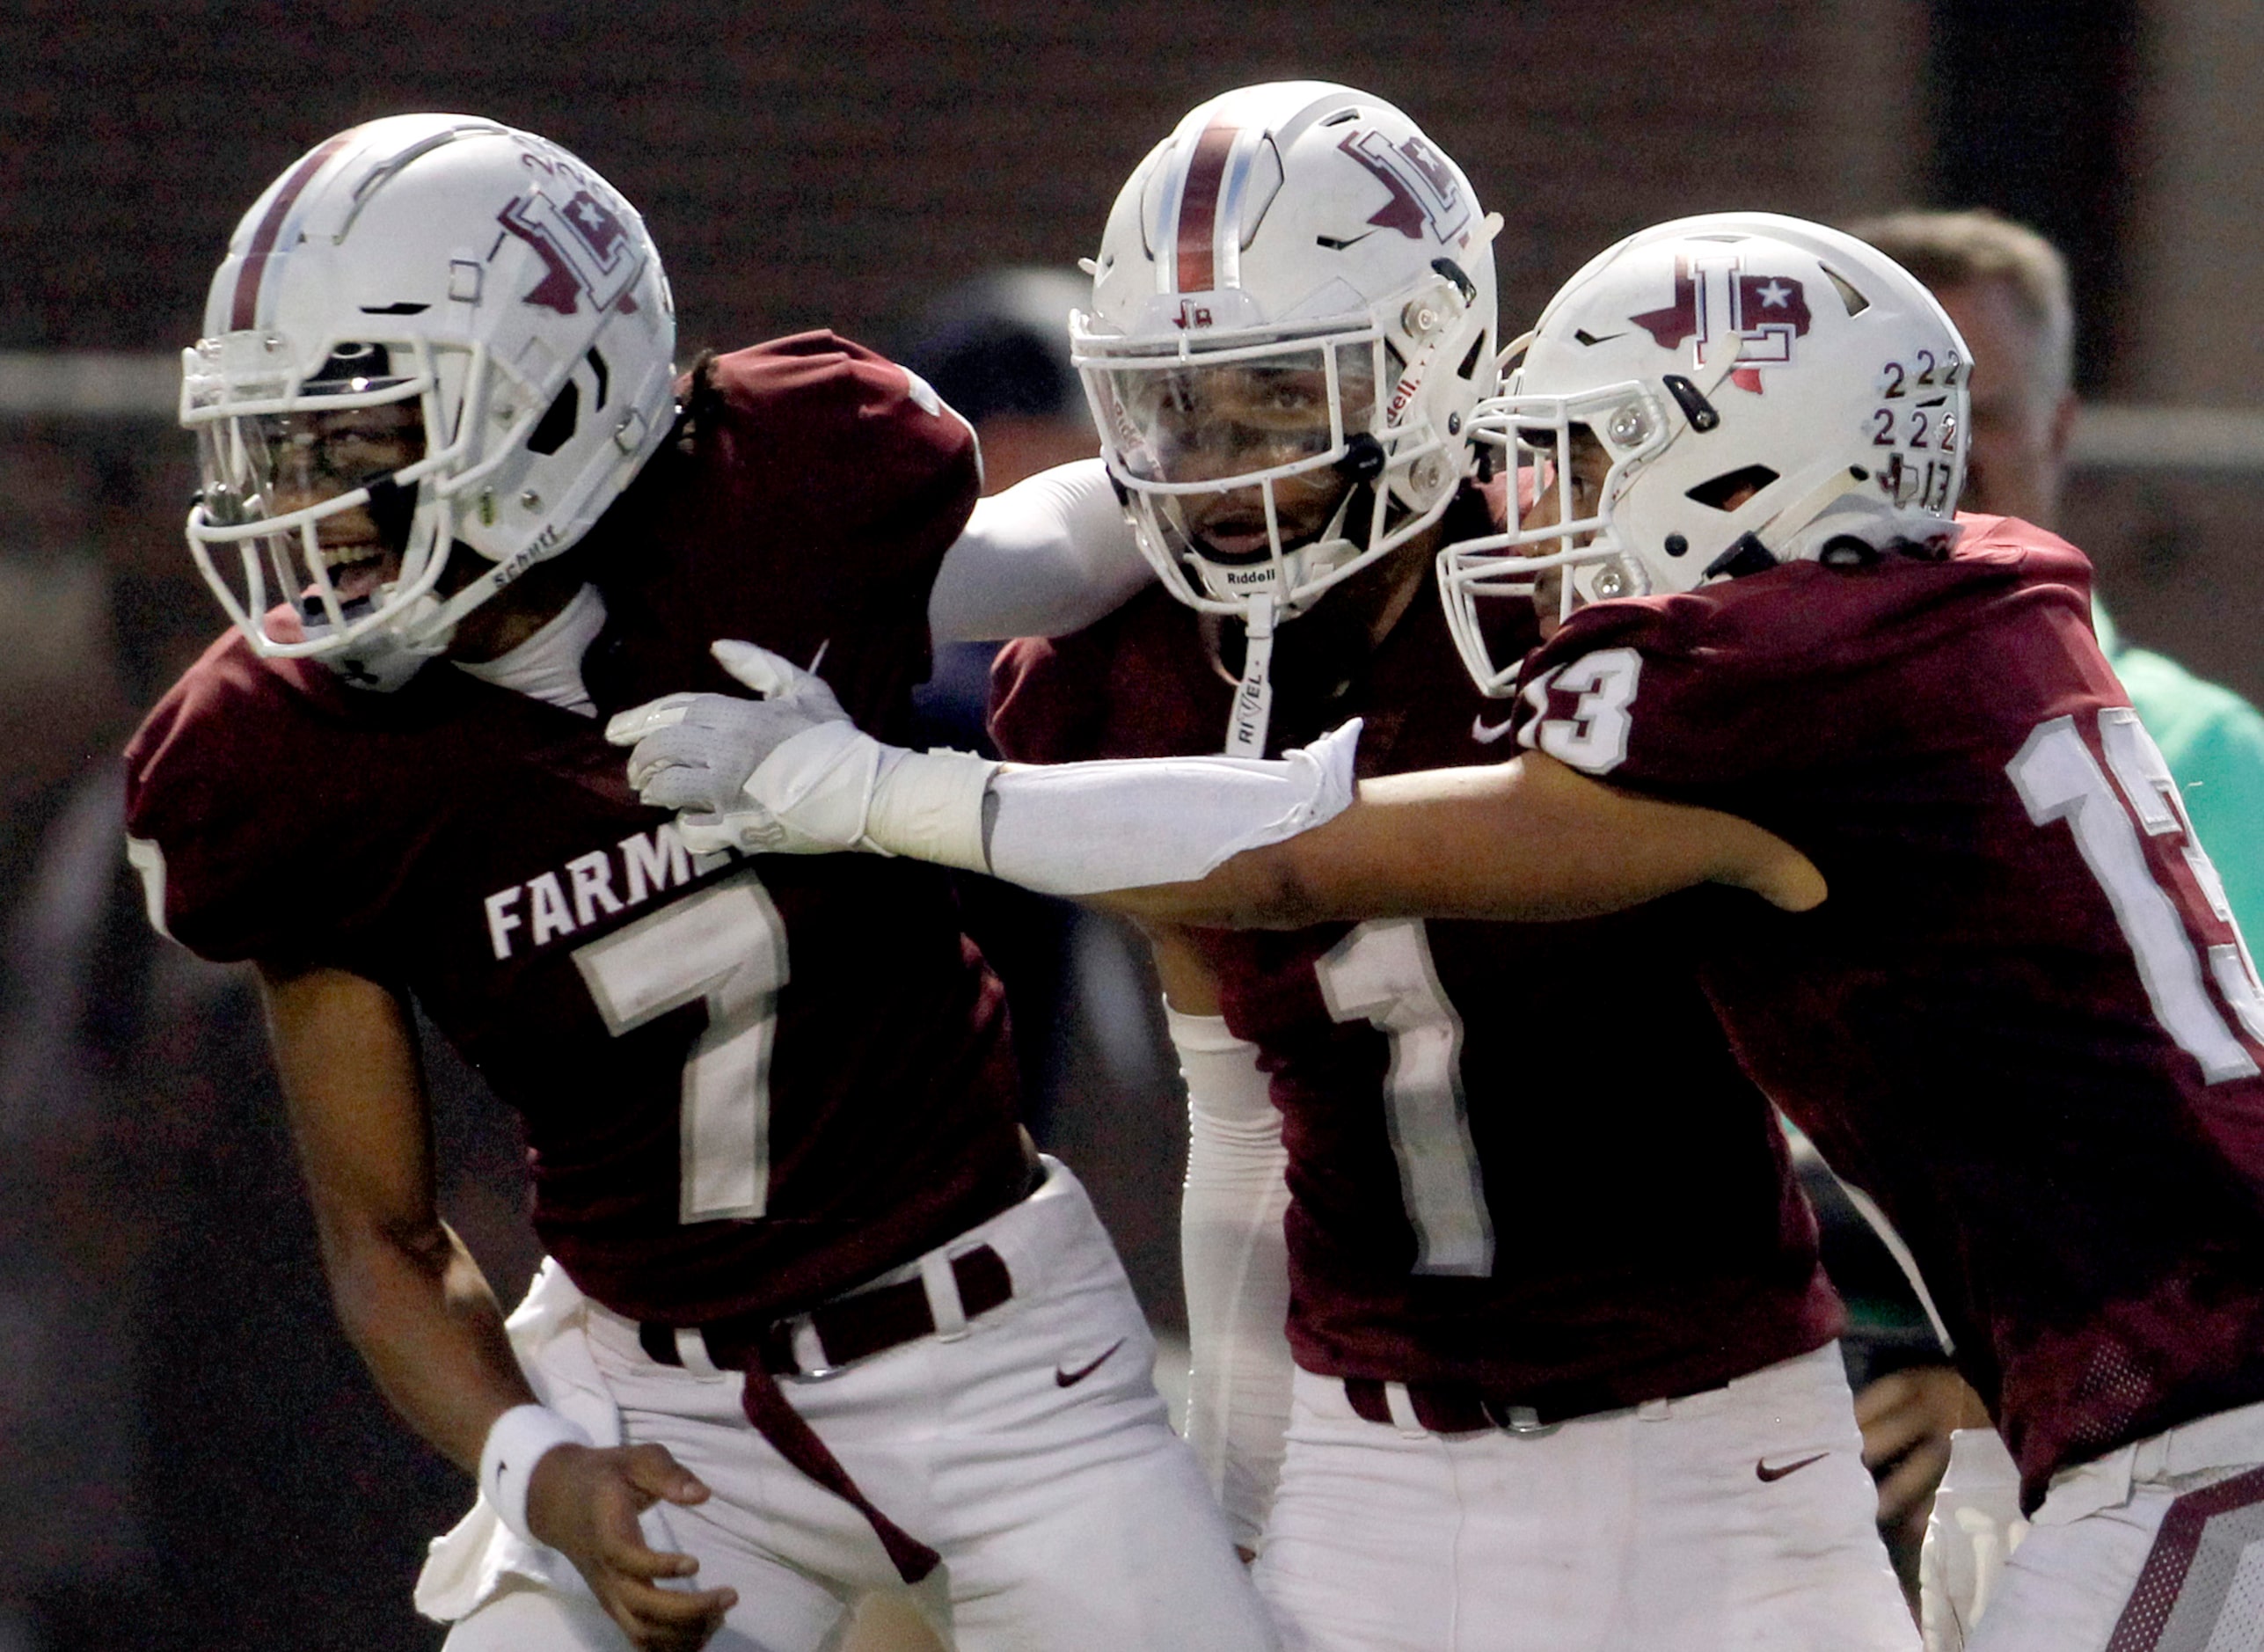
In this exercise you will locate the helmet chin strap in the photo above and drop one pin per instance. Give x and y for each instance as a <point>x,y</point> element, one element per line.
<point>1253,696</point>
<point>1750,552</point>
<point>385,660</point>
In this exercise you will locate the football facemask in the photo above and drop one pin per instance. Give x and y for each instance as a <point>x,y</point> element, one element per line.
<point>530,377</point>
<point>1245,464</point>
<point>1292,316</point>
<point>314,488</point>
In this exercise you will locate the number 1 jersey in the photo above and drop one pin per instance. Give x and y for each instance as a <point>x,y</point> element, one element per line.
<point>2022,1019</point>
<point>1521,1155</point>
<point>747,1083</point>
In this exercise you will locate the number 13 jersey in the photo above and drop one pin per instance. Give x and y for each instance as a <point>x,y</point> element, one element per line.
<point>746,1083</point>
<point>2022,1019</point>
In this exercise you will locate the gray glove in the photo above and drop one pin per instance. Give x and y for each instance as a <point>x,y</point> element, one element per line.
<point>694,752</point>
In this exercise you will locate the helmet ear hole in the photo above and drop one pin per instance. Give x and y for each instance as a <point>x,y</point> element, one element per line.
<point>1731,488</point>
<point>558,425</point>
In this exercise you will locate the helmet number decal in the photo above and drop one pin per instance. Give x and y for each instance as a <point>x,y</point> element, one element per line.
<point>1930,426</point>
<point>2059,779</point>
<point>1926,486</point>
<point>724,945</point>
<point>1383,974</point>
<point>1594,738</point>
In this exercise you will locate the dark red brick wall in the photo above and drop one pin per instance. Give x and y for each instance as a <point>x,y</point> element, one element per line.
<point>806,163</point>
<point>811,162</point>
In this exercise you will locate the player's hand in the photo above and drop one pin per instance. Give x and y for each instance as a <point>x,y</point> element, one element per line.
<point>694,752</point>
<point>1907,1418</point>
<point>709,757</point>
<point>584,1501</point>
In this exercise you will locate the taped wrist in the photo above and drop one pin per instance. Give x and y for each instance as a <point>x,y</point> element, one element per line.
<point>515,1443</point>
<point>1083,827</point>
<point>1235,1259</point>
<point>834,787</point>
<point>928,805</point>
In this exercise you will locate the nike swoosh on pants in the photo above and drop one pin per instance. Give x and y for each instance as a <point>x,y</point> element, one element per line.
<point>1762,1472</point>
<point>1071,1379</point>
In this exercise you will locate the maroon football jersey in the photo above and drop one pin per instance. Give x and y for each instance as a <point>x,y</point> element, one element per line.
<point>747,1082</point>
<point>2022,1019</point>
<point>1519,1156</point>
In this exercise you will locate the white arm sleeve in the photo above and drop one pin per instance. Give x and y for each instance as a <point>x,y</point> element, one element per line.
<point>1050,555</point>
<point>1061,829</point>
<point>1130,824</point>
<point>1237,1267</point>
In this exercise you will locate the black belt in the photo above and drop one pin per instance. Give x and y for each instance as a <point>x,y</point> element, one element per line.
<point>848,1328</point>
<point>1465,1408</point>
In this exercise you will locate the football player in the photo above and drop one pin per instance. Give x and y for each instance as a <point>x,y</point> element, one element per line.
<point>2005,287</point>
<point>2002,989</point>
<point>1560,1336</point>
<point>818,1321</point>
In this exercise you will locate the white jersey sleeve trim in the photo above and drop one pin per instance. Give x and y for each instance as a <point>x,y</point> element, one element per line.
<point>146,858</point>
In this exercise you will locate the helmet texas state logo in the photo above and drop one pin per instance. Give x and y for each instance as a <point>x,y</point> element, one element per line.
<point>1755,318</point>
<point>583,244</point>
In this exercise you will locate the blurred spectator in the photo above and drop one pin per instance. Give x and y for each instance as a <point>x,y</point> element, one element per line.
<point>996,348</point>
<point>2006,287</point>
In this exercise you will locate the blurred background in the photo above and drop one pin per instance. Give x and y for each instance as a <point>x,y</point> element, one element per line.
<point>189,1456</point>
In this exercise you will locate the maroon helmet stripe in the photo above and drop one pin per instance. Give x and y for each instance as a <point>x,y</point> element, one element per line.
<point>246,307</point>
<point>1198,208</point>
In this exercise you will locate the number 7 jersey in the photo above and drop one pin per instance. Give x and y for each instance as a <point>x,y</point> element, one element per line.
<point>747,1083</point>
<point>2023,1019</point>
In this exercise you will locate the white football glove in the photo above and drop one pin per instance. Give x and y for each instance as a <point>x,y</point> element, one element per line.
<point>694,751</point>
<point>786,774</point>
<point>790,774</point>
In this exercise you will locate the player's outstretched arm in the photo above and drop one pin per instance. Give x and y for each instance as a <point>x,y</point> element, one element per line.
<point>412,1300</point>
<point>1187,840</point>
<point>1527,840</point>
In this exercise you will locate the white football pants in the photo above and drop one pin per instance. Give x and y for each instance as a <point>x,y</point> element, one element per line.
<point>1971,1531</point>
<point>1645,1530</point>
<point>1031,1451</point>
<point>2158,1546</point>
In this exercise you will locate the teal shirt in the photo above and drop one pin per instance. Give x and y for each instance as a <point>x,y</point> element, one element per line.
<point>2213,741</point>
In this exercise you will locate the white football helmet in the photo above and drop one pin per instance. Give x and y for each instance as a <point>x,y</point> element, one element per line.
<point>1758,389</point>
<point>433,330</point>
<point>1293,316</point>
